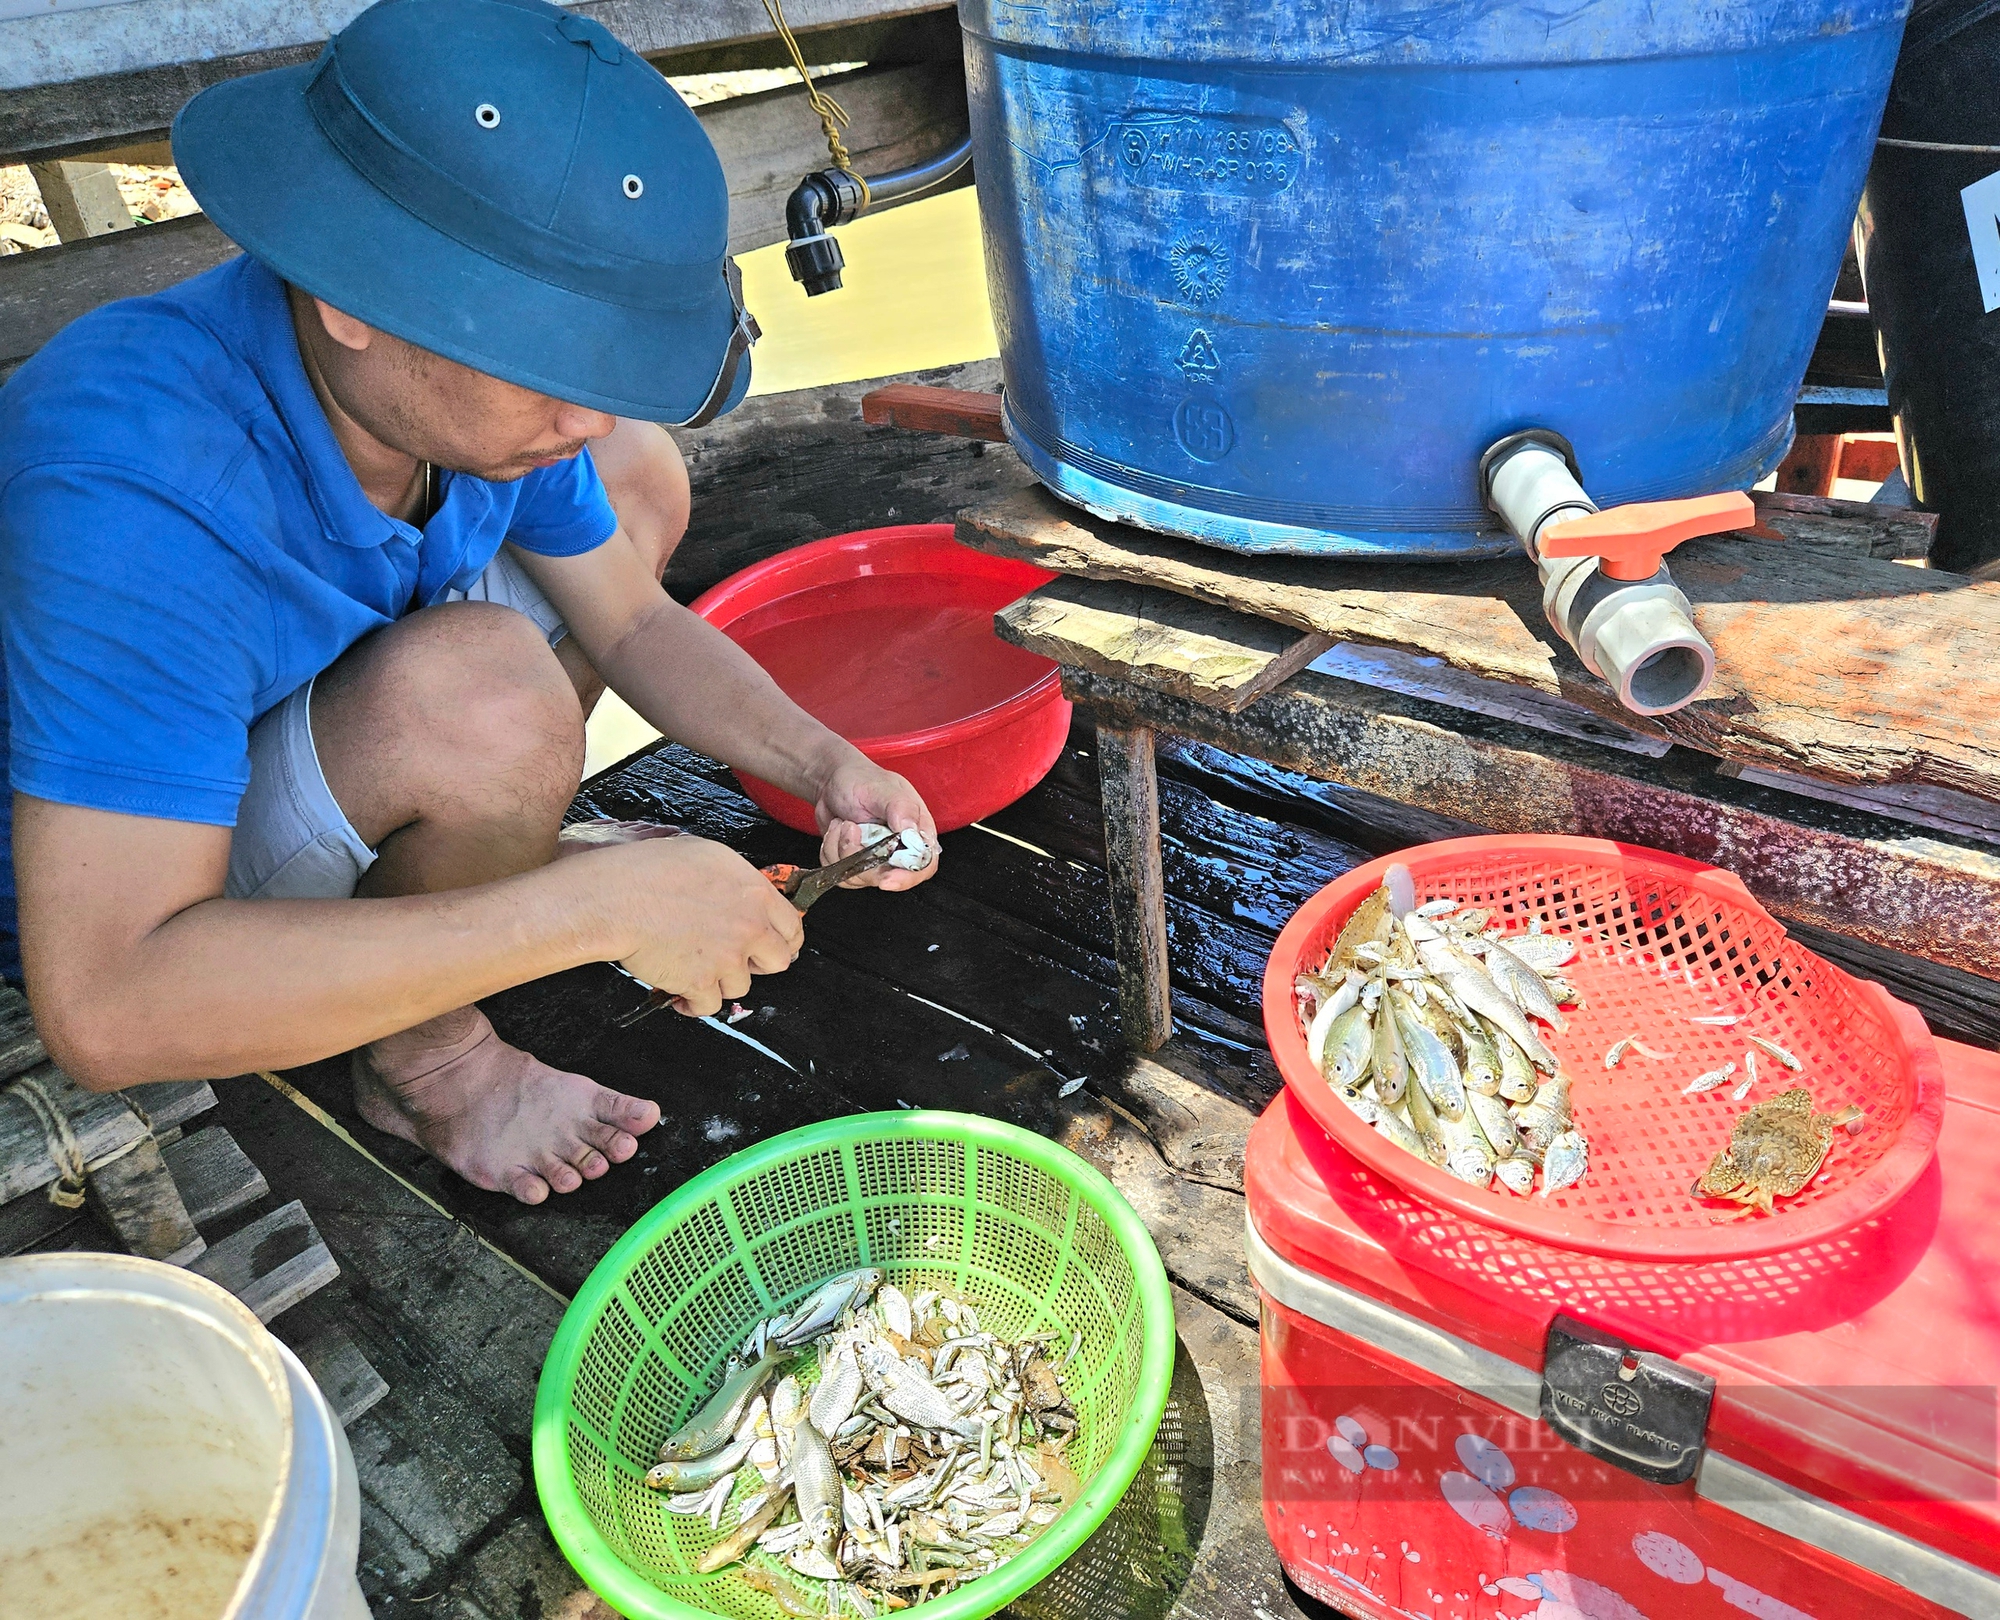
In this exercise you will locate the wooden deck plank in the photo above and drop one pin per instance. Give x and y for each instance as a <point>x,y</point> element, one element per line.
<point>345,1377</point>
<point>787,468</point>
<point>903,114</point>
<point>457,1333</point>
<point>1023,938</point>
<point>136,1197</point>
<point>1131,805</point>
<point>20,1047</point>
<point>81,79</point>
<point>102,1123</point>
<point>1837,669</point>
<point>1955,1003</point>
<point>1232,675</point>
<point>273,1263</point>
<point>215,1176</point>
<point>1920,896</point>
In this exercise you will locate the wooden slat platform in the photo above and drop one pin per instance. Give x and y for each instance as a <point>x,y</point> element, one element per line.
<point>1830,663</point>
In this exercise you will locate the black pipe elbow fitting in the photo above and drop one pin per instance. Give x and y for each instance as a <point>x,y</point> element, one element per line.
<point>818,203</point>
<point>835,196</point>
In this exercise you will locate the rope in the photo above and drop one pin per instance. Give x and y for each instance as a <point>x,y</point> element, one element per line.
<point>832,116</point>
<point>66,1192</point>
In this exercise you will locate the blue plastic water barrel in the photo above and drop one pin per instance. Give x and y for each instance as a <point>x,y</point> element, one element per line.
<point>1273,274</point>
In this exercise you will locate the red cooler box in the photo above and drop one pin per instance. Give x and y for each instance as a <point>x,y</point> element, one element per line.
<point>1613,1407</point>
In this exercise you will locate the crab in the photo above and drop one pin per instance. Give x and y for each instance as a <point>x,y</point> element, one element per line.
<point>1774,1150</point>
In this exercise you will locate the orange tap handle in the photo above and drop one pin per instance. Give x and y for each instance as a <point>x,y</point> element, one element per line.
<point>1633,538</point>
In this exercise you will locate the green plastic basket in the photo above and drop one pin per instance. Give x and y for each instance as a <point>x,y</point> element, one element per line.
<point>1021,1227</point>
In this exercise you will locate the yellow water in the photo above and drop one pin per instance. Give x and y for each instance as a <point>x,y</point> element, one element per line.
<point>915,297</point>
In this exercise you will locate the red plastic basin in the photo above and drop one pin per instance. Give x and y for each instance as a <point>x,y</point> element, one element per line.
<point>886,635</point>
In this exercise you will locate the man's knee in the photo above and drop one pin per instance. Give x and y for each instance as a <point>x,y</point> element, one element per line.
<point>647,481</point>
<point>453,700</point>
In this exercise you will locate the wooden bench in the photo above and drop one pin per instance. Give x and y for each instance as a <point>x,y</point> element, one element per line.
<point>1842,764</point>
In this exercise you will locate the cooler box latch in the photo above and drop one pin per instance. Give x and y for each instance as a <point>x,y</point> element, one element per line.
<point>1641,1412</point>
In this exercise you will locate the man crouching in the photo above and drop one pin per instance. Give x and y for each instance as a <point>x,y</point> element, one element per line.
<point>308,582</point>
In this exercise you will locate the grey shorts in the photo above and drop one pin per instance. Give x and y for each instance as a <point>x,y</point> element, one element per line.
<point>292,840</point>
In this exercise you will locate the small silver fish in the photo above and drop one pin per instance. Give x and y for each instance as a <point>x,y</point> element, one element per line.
<point>894,1305</point>
<point>1481,995</point>
<point>817,1483</point>
<point>1424,1126</point>
<point>1432,1066</point>
<point>1390,1063</point>
<point>1542,952</point>
<point>1479,1061</point>
<point>905,1391</point>
<point>825,1307</point>
<point>1709,1081</point>
<point>1348,1047</point>
<point>686,1476</point>
<point>1470,1162</point>
<point>1545,1118</point>
<point>1565,1162</point>
<point>1437,908</point>
<point>1344,997</point>
<point>1718,1020</point>
<point>1468,1155</point>
<point>712,1426</point>
<point>1777,1052</point>
<point>1495,1123</point>
<point>1389,1123</point>
<point>1516,1175</point>
<point>836,1394</point>
<point>1615,1053</point>
<point>1523,985</point>
<point>1517,1074</point>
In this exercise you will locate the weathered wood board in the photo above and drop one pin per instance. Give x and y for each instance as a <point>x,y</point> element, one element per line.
<point>1131,799</point>
<point>902,115</point>
<point>90,77</point>
<point>1261,656</point>
<point>1864,876</point>
<point>273,1263</point>
<point>1838,666</point>
<point>20,1047</point>
<point>101,1123</point>
<point>215,1176</point>
<point>787,468</point>
<point>135,1195</point>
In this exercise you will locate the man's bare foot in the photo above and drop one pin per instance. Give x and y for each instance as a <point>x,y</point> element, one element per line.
<point>491,1112</point>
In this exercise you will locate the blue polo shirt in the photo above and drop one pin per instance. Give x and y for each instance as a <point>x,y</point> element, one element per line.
<point>182,545</point>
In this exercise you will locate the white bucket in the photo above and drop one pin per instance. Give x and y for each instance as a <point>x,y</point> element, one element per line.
<point>162,1456</point>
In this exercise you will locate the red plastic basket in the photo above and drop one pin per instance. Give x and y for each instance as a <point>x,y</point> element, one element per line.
<point>1661,940</point>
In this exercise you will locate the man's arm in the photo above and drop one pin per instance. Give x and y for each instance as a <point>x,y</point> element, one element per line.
<point>138,970</point>
<point>697,686</point>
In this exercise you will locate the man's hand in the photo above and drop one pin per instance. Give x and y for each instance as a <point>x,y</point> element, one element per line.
<point>858,791</point>
<point>704,918</point>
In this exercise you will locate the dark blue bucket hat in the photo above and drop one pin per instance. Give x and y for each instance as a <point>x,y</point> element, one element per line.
<point>496,181</point>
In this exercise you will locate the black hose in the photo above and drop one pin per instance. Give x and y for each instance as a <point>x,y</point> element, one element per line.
<point>919,177</point>
<point>834,196</point>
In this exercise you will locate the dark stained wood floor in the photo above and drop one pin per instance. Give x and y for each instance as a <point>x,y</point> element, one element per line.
<point>989,989</point>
